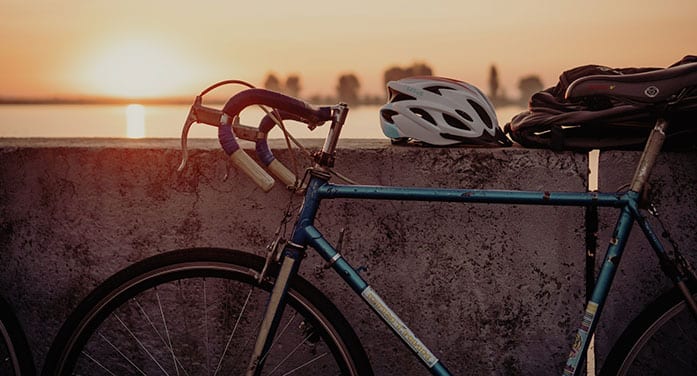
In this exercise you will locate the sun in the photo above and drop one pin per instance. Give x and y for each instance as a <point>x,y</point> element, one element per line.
<point>136,68</point>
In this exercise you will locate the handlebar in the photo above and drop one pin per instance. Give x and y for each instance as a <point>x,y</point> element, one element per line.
<point>229,129</point>
<point>309,114</point>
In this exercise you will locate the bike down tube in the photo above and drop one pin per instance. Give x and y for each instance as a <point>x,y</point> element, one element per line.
<point>370,296</point>
<point>306,233</point>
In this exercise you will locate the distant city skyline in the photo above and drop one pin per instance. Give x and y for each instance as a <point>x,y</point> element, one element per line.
<point>129,48</point>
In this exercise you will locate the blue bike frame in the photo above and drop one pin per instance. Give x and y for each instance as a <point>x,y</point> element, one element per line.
<point>318,189</point>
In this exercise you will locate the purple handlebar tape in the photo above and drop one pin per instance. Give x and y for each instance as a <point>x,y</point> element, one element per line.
<point>267,123</point>
<point>227,139</point>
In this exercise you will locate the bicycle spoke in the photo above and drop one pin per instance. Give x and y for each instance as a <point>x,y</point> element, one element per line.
<point>293,352</point>
<point>306,364</point>
<point>199,317</point>
<point>98,363</point>
<point>126,358</point>
<point>278,337</point>
<point>168,342</point>
<point>140,343</point>
<point>234,329</point>
<point>169,338</point>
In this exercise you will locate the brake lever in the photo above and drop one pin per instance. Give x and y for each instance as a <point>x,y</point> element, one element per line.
<point>197,114</point>
<point>190,120</point>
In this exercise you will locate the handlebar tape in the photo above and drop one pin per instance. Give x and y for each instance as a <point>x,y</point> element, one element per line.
<point>293,108</point>
<point>242,160</point>
<point>264,152</point>
<point>267,123</point>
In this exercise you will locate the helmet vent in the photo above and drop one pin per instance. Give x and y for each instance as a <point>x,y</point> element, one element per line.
<point>464,115</point>
<point>482,113</point>
<point>454,122</point>
<point>388,114</point>
<point>398,97</point>
<point>424,115</point>
<point>437,89</point>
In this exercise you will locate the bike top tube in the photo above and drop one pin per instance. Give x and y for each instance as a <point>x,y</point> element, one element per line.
<point>488,196</point>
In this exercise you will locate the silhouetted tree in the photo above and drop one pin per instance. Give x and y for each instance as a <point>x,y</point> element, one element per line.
<point>293,85</point>
<point>397,73</point>
<point>272,82</point>
<point>347,90</point>
<point>393,74</point>
<point>493,83</point>
<point>528,86</point>
<point>419,69</point>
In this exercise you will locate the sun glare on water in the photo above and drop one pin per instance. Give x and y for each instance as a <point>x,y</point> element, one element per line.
<point>135,121</point>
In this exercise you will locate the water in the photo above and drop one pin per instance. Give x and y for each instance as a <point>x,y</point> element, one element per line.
<point>166,121</point>
<point>162,121</point>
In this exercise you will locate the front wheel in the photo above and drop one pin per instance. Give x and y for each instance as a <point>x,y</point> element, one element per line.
<point>662,340</point>
<point>197,312</point>
<point>15,356</point>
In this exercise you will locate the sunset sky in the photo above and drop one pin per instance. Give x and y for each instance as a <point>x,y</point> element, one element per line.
<point>138,48</point>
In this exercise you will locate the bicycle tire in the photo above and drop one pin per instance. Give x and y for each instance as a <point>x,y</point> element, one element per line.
<point>662,340</point>
<point>15,355</point>
<point>123,298</point>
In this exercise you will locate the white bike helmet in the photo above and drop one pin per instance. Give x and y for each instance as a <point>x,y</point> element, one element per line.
<point>439,111</point>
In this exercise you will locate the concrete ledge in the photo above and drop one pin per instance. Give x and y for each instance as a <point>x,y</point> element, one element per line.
<point>501,286</point>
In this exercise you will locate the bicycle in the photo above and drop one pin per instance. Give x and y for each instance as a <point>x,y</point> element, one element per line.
<point>278,323</point>
<point>15,355</point>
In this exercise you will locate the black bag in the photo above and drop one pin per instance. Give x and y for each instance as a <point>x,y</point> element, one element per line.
<point>598,122</point>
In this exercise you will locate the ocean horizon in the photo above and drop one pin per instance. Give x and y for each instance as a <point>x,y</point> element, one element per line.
<point>138,120</point>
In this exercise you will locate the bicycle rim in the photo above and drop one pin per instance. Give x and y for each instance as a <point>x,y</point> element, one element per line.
<point>196,312</point>
<point>15,357</point>
<point>661,341</point>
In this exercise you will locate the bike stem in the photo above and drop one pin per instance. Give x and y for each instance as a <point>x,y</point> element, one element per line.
<point>326,157</point>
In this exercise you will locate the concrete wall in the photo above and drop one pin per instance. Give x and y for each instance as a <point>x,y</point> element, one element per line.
<point>502,287</point>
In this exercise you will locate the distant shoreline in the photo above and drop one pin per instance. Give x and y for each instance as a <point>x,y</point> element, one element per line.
<point>498,102</point>
<point>95,101</point>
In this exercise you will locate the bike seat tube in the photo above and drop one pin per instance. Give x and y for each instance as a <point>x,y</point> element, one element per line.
<point>648,158</point>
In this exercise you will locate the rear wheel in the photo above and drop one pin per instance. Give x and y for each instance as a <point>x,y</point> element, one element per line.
<point>662,340</point>
<point>195,312</point>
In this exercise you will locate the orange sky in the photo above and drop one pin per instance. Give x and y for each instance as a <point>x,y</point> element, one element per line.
<point>163,48</point>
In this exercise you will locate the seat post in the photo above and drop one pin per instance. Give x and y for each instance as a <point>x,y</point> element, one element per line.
<point>648,157</point>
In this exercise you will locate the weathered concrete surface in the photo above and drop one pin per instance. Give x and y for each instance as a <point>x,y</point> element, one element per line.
<point>502,288</point>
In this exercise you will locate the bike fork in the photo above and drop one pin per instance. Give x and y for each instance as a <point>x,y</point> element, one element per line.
<point>274,309</point>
